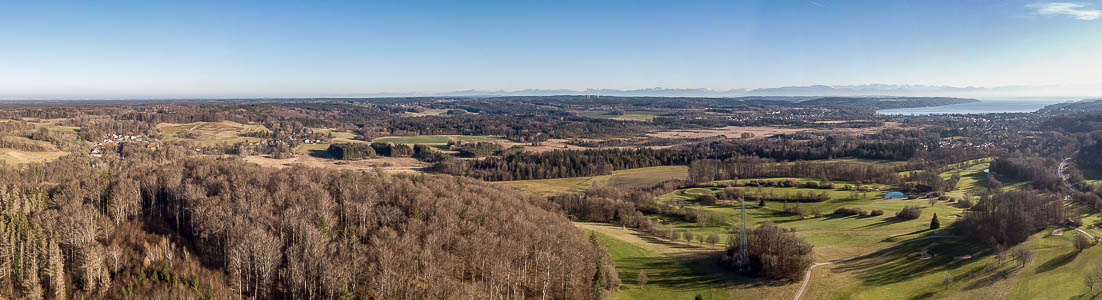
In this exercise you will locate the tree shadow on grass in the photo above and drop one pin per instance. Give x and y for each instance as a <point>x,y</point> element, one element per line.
<point>686,272</point>
<point>903,263</point>
<point>1057,262</point>
<point>672,244</point>
<point>320,153</point>
<point>884,222</point>
<point>994,275</point>
<point>892,238</point>
<point>926,295</point>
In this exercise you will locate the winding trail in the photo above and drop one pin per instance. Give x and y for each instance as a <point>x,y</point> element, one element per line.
<point>1064,178</point>
<point>1060,170</point>
<point>807,274</point>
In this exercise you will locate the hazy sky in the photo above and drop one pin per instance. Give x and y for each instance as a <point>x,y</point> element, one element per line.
<point>92,49</point>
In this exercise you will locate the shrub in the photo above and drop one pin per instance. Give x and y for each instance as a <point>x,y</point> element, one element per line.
<point>876,212</point>
<point>1022,255</point>
<point>848,211</point>
<point>793,210</point>
<point>934,223</point>
<point>707,199</point>
<point>910,212</point>
<point>427,154</point>
<point>964,203</point>
<point>1081,243</point>
<point>401,150</point>
<point>382,149</point>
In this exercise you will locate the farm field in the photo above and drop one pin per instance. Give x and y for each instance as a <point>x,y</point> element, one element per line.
<point>388,164</point>
<point>427,112</point>
<point>19,156</point>
<point>210,133</point>
<point>434,139</point>
<point>16,157</point>
<point>630,177</point>
<point>760,131</point>
<point>52,125</point>
<point>633,115</point>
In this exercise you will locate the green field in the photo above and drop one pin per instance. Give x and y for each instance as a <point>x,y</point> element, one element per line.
<point>670,278</point>
<point>435,139</point>
<point>621,178</point>
<point>1056,273</point>
<point>974,181</point>
<point>676,270</point>
<point>834,236</point>
<point>681,271</point>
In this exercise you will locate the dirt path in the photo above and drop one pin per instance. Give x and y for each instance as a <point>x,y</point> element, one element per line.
<point>807,274</point>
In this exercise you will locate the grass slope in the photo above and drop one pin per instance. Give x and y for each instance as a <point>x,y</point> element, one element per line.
<point>621,178</point>
<point>676,270</point>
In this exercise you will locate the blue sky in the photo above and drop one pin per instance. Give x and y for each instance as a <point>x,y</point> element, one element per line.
<point>127,49</point>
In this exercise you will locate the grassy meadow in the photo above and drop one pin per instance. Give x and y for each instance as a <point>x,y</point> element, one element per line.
<point>630,177</point>
<point>12,156</point>
<point>210,133</point>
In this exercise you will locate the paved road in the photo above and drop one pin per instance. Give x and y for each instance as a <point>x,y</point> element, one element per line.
<point>807,274</point>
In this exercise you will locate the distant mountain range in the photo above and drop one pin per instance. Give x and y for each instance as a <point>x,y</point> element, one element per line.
<point>870,90</point>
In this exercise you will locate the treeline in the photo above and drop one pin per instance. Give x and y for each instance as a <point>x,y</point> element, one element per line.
<point>799,196</point>
<point>575,163</point>
<point>474,149</point>
<point>351,151</point>
<point>221,229</point>
<point>753,167</point>
<point>559,163</point>
<point>354,151</point>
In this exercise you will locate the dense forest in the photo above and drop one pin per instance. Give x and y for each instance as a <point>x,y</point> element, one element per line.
<point>221,228</point>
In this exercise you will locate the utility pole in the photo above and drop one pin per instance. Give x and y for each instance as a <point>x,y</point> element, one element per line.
<point>743,260</point>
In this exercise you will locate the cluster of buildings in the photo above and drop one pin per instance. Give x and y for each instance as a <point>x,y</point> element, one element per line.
<point>111,143</point>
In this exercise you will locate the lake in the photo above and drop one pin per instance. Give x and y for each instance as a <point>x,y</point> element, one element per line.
<point>983,107</point>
